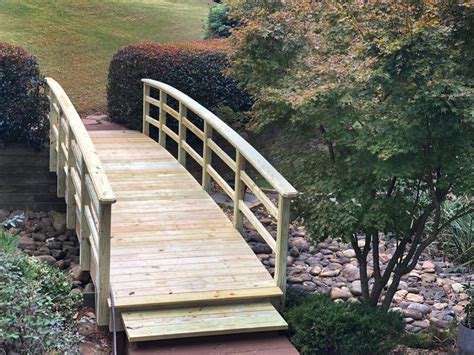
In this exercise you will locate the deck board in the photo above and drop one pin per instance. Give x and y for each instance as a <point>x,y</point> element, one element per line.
<point>170,242</point>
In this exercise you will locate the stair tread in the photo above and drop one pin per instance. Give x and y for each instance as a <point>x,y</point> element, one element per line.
<point>202,321</point>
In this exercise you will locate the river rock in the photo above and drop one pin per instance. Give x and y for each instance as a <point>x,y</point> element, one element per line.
<point>351,273</point>
<point>356,288</point>
<point>420,307</point>
<point>46,259</point>
<point>412,313</point>
<point>340,293</point>
<point>413,297</point>
<point>457,287</point>
<point>349,253</point>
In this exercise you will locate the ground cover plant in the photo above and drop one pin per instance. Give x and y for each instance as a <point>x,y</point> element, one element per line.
<point>375,103</point>
<point>23,105</point>
<point>75,40</point>
<point>36,307</point>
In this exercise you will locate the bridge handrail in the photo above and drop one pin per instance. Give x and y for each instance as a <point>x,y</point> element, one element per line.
<point>96,171</point>
<point>85,186</point>
<point>252,156</point>
<point>244,154</point>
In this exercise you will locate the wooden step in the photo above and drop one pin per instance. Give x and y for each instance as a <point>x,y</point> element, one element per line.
<point>202,321</point>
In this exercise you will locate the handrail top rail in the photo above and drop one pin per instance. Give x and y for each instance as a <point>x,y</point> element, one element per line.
<point>280,184</point>
<point>96,171</point>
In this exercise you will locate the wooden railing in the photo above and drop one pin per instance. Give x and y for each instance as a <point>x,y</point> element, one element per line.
<point>245,156</point>
<point>83,183</point>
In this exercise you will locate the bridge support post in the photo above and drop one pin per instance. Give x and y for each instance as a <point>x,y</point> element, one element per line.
<point>239,192</point>
<point>103,274</point>
<point>282,244</point>
<point>207,157</point>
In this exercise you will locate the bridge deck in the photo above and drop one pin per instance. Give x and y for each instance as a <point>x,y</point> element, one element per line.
<point>170,242</point>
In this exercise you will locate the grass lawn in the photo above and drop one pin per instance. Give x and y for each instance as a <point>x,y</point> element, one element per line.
<point>74,40</point>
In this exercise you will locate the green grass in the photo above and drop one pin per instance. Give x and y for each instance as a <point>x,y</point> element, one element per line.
<point>74,40</point>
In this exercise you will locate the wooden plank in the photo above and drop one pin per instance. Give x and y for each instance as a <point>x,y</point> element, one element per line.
<point>269,205</point>
<point>202,321</point>
<point>194,297</point>
<point>222,154</point>
<point>258,226</point>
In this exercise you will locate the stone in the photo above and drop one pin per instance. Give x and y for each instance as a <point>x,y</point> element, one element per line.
<point>412,297</point>
<point>315,270</point>
<point>423,324</point>
<point>438,323</point>
<point>26,243</point>
<point>351,273</point>
<point>420,307</point>
<point>310,286</point>
<point>329,272</point>
<point>295,279</point>
<point>78,275</point>
<point>39,237</point>
<point>294,252</point>
<point>46,259</point>
<point>3,215</point>
<point>356,288</point>
<point>300,243</point>
<point>340,293</point>
<point>428,265</point>
<point>412,313</point>
<point>402,285</point>
<point>457,287</point>
<point>440,306</point>
<point>59,221</point>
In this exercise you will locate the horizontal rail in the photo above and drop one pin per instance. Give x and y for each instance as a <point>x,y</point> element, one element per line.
<point>91,158</point>
<point>250,153</point>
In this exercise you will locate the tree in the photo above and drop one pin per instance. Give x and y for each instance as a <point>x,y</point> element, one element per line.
<point>373,103</point>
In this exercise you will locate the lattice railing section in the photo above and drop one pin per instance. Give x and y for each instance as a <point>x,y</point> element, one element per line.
<point>162,101</point>
<point>83,183</point>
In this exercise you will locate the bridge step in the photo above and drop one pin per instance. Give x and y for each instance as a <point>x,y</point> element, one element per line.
<point>202,321</point>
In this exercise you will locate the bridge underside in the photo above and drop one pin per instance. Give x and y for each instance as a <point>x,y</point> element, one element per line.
<point>178,266</point>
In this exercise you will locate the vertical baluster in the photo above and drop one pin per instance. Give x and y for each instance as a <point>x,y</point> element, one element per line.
<point>207,157</point>
<point>239,192</point>
<point>146,109</point>
<point>53,156</point>
<point>70,188</point>
<point>85,247</point>
<point>162,135</point>
<point>183,112</point>
<point>61,163</point>
<point>282,243</point>
<point>103,284</point>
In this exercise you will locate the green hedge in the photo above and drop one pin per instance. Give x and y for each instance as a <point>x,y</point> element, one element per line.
<point>23,106</point>
<point>196,69</point>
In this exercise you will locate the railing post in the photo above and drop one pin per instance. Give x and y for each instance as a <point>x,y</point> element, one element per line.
<point>183,112</point>
<point>207,157</point>
<point>146,109</point>
<point>282,243</point>
<point>239,192</point>
<point>85,247</point>
<point>103,284</point>
<point>53,155</point>
<point>162,134</point>
<point>70,189</point>
<point>61,158</point>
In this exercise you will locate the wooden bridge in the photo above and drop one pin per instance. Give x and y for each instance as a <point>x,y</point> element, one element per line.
<point>165,260</point>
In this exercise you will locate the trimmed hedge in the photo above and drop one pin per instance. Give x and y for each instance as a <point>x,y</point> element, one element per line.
<point>23,106</point>
<point>196,69</point>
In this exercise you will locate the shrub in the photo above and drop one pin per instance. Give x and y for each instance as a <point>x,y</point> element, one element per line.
<point>218,23</point>
<point>469,320</point>
<point>196,69</point>
<point>23,106</point>
<point>321,326</point>
<point>36,307</point>
<point>8,242</point>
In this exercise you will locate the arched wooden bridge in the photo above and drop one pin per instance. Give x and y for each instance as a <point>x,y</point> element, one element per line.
<point>165,260</point>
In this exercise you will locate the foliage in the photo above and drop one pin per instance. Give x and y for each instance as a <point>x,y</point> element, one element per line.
<point>8,242</point>
<point>295,296</point>
<point>193,68</point>
<point>379,98</point>
<point>36,307</point>
<point>218,23</point>
<point>469,320</point>
<point>458,238</point>
<point>430,338</point>
<point>320,326</point>
<point>23,106</point>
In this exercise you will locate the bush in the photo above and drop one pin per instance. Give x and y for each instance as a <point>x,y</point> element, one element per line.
<point>36,307</point>
<point>218,23</point>
<point>196,69</point>
<point>321,326</point>
<point>8,242</point>
<point>23,106</point>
